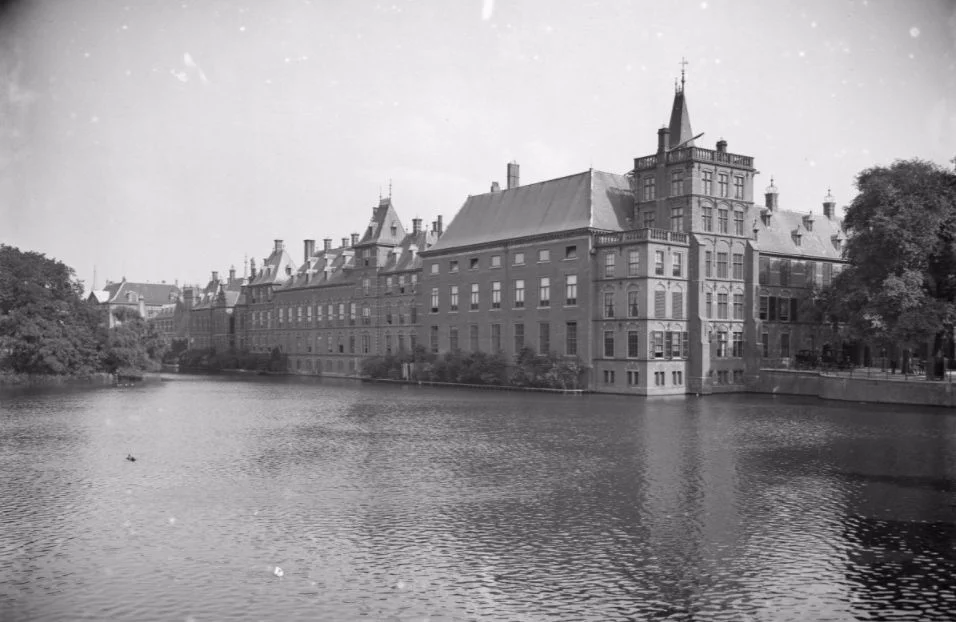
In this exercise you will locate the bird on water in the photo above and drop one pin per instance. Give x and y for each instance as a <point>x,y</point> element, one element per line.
<point>131,457</point>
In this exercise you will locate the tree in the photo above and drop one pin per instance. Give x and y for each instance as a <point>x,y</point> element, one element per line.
<point>900,284</point>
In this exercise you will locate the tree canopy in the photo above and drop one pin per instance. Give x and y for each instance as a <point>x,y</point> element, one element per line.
<point>46,327</point>
<point>900,284</point>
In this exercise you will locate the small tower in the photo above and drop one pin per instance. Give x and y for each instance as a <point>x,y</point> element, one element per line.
<point>829,205</point>
<point>771,199</point>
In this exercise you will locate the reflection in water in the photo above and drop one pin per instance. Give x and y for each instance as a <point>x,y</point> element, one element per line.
<point>411,503</point>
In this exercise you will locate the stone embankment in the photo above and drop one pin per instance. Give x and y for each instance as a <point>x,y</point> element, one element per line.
<point>858,387</point>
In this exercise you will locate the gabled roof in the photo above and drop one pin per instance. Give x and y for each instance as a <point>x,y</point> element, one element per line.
<point>588,200</point>
<point>100,295</point>
<point>380,227</point>
<point>127,292</point>
<point>403,258</point>
<point>273,270</point>
<point>785,226</point>
<point>323,268</point>
<point>680,131</point>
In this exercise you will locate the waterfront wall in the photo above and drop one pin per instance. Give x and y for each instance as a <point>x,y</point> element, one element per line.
<point>845,388</point>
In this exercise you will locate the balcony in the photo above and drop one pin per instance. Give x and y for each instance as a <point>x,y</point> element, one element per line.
<point>642,235</point>
<point>696,153</point>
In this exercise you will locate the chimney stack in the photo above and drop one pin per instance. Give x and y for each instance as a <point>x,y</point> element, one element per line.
<point>495,186</point>
<point>355,239</point>
<point>252,268</point>
<point>829,205</point>
<point>308,248</point>
<point>416,226</point>
<point>215,275</point>
<point>771,200</point>
<point>232,273</point>
<point>721,146</point>
<point>512,176</point>
<point>438,225</point>
<point>663,137</point>
<point>279,246</point>
<point>345,242</point>
<point>327,244</point>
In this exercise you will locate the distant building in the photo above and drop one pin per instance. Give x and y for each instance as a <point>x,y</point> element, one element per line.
<point>147,299</point>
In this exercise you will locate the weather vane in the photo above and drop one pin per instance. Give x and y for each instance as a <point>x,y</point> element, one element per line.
<point>683,65</point>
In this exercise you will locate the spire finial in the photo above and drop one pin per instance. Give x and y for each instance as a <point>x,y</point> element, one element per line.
<point>390,189</point>
<point>683,65</point>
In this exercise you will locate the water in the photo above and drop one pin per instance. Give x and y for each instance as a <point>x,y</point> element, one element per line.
<point>386,502</point>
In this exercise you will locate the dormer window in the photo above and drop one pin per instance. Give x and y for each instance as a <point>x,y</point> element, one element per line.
<point>837,242</point>
<point>394,229</point>
<point>797,236</point>
<point>808,222</point>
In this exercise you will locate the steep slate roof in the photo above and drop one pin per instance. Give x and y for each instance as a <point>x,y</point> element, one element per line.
<point>592,199</point>
<point>680,122</point>
<point>273,268</point>
<point>379,230</point>
<point>403,259</point>
<point>325,267</point>
<point>778,237</point>
<point>154,294</point>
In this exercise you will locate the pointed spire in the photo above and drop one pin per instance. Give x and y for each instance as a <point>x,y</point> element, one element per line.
<point>680,131</point>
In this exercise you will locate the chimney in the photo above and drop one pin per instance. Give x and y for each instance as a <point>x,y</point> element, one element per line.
<point>232,273</point>
<point>721,146</point>
<point>279,246</point>
<point>288,270</point>
<point>771,200</point>
<point>355,238</point>
<point>434,226</point>
<point>345,242</point>
<point>512,176</point>
<point>829,205</point>
<point>252,268</point>
<point>308,248</point>
<point>215,275</point>
<point>438,225</point>
<point>663,137</point>
<point>495,186</point>
<point>327,244</point>
<point>416,226</point>
<point>188,298</point>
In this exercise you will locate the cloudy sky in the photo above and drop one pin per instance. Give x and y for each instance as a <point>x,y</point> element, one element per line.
<point>162,140</point>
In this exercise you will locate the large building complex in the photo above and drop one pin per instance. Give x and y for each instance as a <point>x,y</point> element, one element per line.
<point>669,279</point>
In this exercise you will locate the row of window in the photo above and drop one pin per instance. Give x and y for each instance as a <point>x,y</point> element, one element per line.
<point>341,344</point>
<point>722,306</point>
<point>302,315</point>
<point>787,273</point>
<point>679,186</point>
<point>517,259</point>
<point>633,305</point>
<point>518,294</point>
<point>518,336</point>
<point>634,377</point>
<point>723,220</point>
<point>661,344</point>
<point>737,267</point>
<point>634,263</point>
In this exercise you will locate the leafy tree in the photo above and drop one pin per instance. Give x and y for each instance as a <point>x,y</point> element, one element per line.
<point>900,285</point>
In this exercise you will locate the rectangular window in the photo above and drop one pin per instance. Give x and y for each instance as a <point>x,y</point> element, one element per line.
<point>519,259</point>
<point>519,337</point>
<point>738,266</point>
<point>709,305</point>
<point>633,262</point>
<point>765,345</point>
<point>609,265</point>
<point>649,190</point>
<point>707,216</point>
<point>388,284</point>
<point>473,337</point>
<point>352,313</point>
<point>633,306</point>
<point>708,263</point>
<point>784,272</point>
<point>414,314</point>
<point>453,298</point>
<point>721,265</point>
<point>738,222</point>
<point>609,344</point>
<point>496,294</point>
<point>764,271</point>
<point>657,344</point>
<point>676,345</point>
<point>544,337</point>
<point>474,297</point>
<point>677,183</point>
<point>341,311</point>
<point>722,306</point>
<point>722,182</point>
<point>708,179</point>
<point>351,344</point>
<point>388,344</point>
<point>496,337</point>
<point>519,293</point>
<point>544,255</point>
<point>721,221</point>
<point>677,305</point>
<point>608,304</point>
<point>473,263</point>
<point>435,268</point>
<point>659,263</point>
<point>571,290</point>
<point>783,309</point>
<point>434,300</point>
<point>738,344</point>
<point>365,343</point>
<point>633,378</point>
<point>721,344</point>
<point>738,187</point>
<point>570,252</point>
<point>738,306</point>
<point>660,304</point>
<point>648,219</point>
<point>571,338</point>
<point>608,376</point>
<point>366,315</point>
<point>677,218</point>
<point>544,292</point>
<point>366,285</point>
<point>784,345</point>
<point>401,283</point>
<point>677,264</point>
<point>453,267</point>
<point>632,346</point>
<point>452,338</point>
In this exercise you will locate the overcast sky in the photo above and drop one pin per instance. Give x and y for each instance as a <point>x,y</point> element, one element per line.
<point>162,140</point>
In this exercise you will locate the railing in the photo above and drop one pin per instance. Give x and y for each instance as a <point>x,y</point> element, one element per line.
<point>696,153</point>
<point>641,235</point>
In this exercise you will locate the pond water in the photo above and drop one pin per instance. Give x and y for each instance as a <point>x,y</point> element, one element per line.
<point>385,502</point>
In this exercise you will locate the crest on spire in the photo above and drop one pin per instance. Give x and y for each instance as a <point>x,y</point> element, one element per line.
<point>680,130</point>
